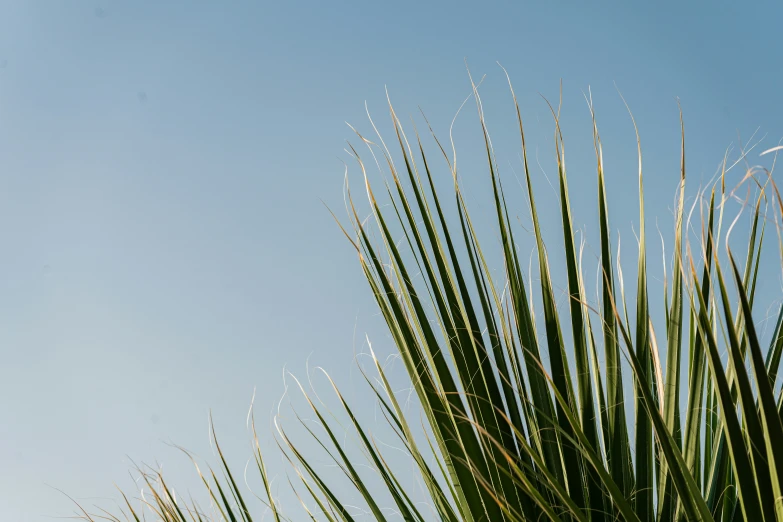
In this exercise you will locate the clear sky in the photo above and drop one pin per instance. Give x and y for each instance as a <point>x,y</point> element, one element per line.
<point>163,249</point>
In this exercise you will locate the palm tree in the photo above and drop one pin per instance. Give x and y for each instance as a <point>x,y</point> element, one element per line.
<point>572,415</point>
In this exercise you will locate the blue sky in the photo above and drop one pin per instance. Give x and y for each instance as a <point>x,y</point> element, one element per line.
<point>164,247</point>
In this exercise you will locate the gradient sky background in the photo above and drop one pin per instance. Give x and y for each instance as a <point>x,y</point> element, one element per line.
<point>163,249</point>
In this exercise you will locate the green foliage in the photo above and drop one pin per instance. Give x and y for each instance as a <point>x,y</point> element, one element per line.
<point>508,436</point>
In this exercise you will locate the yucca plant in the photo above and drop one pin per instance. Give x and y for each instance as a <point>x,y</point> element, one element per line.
<point>581,413</point>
